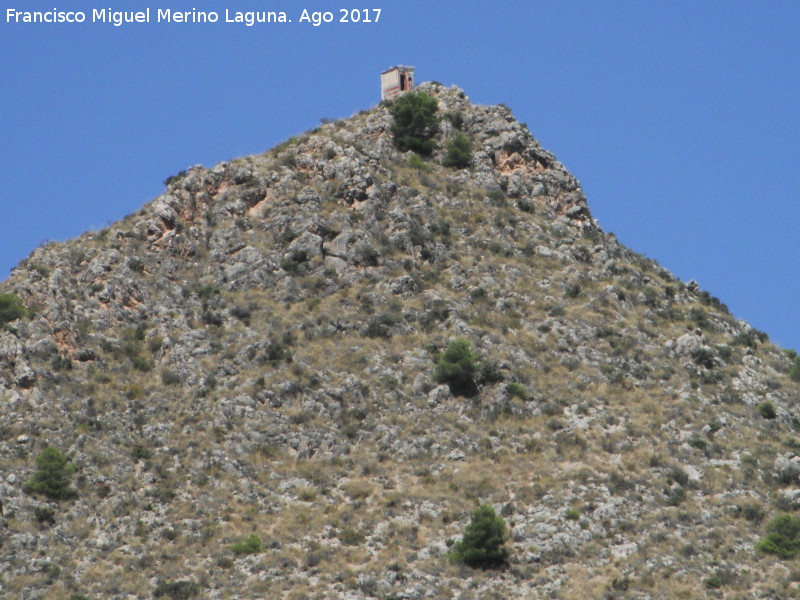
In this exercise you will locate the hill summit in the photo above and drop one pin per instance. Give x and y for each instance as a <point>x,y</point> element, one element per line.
<point>297,374</point>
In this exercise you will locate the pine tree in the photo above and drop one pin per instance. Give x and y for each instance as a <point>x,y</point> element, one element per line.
<point>52,476</point>
<point>483,543</point>
<point>415,122</point>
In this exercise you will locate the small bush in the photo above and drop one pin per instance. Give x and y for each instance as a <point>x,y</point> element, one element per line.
<point>698,442</point>
<point>678,475</point>
<point>276,351</point>
<point>457,368</point>
<point>489,372</point>
<point>750,338</point>
<point>291,264</point>
<point>206,292</point>
<point>705,358</point>
<point>52,476</point>
<point>177,590</point>
<point>61,363</point>
<point>767,410</point>
<point>416,162</point>
<point>379,326</point>
<point>752,512</point>
<point>517,390</point>
<point>620,584</point>
<point>141,452</point>
<point>456,118</point>
<point>415,122</point>
<point>483,543</point>
<point>11,308</point>
<point>794,365</point>
<point>169,377</point>
<point>351,537</point>
<point>141,363</point>
<point>676,495</point>
<point>252,545</point>
<point>173,179</point>
<point>783,537</point>
<point>243,313</point>
<point>364,254</point>
<point>794,370</point>
<point>154,343</point>
<point>458,153</point>
<point>44,515</point>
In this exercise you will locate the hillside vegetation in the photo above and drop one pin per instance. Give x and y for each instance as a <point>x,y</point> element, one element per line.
<point>301,374</point>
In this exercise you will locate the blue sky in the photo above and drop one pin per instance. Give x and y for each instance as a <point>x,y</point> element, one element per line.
<point>680,119</point>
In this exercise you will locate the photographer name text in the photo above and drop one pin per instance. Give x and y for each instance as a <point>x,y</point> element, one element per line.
<point>118,18</point>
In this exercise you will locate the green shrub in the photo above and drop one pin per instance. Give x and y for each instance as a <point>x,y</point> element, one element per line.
<point>752,512</point>
<point>483,543</point>
<point>517,390</point>
<point>620,584</point>
<point>750,338</point>
<point>783,537</point>
<point>44,515</point>
<point>177,590</point>
<point>698,442</point>
<point>291,264</point>
<point>172,179</point>
<point>154,343</point>
<point>705,358</point>
<point>379,326</point>
<point>278,350</point>
<point>252,545</point>
<point>141,452</point>
<point>415,122</point>
<point>207,292</point>
<point>141,363</point>
<point>457,368</point>
<point>11,308</point>
<point>351,536</point>
<point>169,377</point>
<point>678,475</point>
<point>489,372</point>
<point>767,410</point>
<point>794,367</point>
<point>459,152</point>
<point>416,162</point>
<point>52,476</point>
<point>365,254</point>
<point>456,118</point>
<point>676,495</point>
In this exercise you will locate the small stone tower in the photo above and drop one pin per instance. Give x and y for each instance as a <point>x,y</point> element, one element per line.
<point>395,81</point>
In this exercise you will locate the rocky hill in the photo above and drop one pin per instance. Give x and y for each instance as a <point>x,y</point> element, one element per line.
<point>253,354</point>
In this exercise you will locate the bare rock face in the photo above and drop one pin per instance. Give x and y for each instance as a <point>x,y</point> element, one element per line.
<point>255,352</point>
